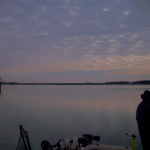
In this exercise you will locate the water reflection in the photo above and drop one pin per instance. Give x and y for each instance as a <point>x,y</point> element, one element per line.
<point>54,112</point>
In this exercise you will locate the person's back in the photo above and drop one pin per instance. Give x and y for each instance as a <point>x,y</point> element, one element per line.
<point>143,120</point>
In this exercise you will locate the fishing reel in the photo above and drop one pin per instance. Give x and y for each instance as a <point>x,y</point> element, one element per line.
<point>46,145</point>
<point>88,139</point>
<point>91,137</point>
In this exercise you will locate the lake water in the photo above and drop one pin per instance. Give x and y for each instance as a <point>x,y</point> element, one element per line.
<point>54,112</point>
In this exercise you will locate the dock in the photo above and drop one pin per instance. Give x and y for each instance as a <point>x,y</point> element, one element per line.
<point>106,147</point>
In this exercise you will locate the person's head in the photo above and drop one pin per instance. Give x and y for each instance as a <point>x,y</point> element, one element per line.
<point>146,95</point>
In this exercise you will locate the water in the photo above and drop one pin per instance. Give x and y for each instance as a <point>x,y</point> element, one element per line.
<point>56,112</point>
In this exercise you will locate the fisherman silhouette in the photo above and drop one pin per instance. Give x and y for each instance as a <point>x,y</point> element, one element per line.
<point>143,120</point>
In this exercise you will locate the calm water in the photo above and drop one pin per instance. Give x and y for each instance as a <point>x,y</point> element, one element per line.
<point>55,112</point>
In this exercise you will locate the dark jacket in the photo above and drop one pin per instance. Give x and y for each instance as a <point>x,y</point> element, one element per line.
<point>143,120</point>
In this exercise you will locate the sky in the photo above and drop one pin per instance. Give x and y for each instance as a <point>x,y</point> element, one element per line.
<point>74,40</point>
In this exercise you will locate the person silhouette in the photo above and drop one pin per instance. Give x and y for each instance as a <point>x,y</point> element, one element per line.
<point>143,119</point>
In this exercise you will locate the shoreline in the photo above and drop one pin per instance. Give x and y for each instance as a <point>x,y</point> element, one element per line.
<point>106,83</point>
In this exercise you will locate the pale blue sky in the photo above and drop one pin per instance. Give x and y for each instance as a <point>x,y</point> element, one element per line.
<point>74,40</point>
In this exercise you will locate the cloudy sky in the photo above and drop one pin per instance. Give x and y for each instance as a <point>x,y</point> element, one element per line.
<point>74,40</point>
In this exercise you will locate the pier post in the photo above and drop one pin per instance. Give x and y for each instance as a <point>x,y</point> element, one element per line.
<point>133,141</point>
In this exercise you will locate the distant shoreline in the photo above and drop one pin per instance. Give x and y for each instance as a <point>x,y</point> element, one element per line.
<point>143,82</point>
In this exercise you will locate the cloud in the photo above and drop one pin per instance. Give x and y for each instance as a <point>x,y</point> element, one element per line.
<point>126,13</point>
<point>49,36</point>
<point>6,19</point>
<point>106,9</point>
